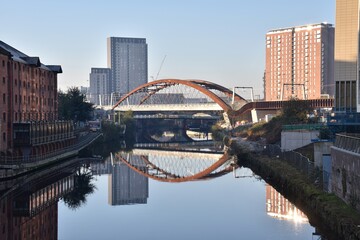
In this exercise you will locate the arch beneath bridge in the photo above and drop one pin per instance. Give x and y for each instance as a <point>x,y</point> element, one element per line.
<point>163,175</point>
<point>207,88</point>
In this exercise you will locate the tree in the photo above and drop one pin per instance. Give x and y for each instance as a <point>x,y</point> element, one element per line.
<point>72,105</point>
<point>296,111</point>
<point>83,187</point>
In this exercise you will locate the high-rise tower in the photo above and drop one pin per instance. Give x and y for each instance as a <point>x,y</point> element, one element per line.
<point>128,61</point>
<point>347,56</point>
<point>300,62</point>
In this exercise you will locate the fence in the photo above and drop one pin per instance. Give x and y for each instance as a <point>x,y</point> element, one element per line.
<point>80,143</point>
<point>313,174</point>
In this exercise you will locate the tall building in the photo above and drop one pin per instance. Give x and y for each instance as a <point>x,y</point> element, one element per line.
<point>128,61</point>
<point>299,62</point>
<point>347,56</point>
<point>100,86</point>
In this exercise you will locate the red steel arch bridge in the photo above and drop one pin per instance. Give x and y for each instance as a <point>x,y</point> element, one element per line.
<point>177,95</point>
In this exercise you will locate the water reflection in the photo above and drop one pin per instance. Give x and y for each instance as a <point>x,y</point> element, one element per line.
<point>126,186</point>
<point>279,207</point>
<point>176,166</point>
<point>29,204</point>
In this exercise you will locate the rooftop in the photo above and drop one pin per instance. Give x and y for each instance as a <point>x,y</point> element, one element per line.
<point>21,57</point>
<point>302,27</point>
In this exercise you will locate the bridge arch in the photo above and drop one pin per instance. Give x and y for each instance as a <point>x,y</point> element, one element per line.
<point>217,93</point>
<point>145,167</point>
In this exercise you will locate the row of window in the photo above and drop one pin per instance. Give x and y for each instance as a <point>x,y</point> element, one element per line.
<point>20,99</point>
<point>27,116</point>
<point>42,87</point>
<point>17,66</point>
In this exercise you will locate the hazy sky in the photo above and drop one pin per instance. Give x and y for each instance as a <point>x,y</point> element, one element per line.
<point>216,40</point>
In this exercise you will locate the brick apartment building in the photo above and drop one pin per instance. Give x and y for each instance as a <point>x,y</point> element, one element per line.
<point>28,106</point>
<point>300,62</point>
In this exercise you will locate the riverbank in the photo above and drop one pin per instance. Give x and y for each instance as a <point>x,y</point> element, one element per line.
<point>321,207</point>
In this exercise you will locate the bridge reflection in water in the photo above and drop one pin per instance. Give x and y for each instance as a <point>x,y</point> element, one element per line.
<point>174,166</point>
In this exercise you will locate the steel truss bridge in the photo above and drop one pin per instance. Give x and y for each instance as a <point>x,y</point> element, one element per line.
<point>173,166</point>
<point>176,95</point>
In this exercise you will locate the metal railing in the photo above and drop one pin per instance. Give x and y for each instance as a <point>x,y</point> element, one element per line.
<point>349,142</point>
<point>308,127</point>
<point>300,162</point>
<point>80,144</point>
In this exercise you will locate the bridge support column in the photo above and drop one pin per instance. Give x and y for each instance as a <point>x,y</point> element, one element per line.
<point>254,116</point>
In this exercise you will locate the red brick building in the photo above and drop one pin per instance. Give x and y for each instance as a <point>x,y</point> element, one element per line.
<point>300,62</point>
<point>28,106</point>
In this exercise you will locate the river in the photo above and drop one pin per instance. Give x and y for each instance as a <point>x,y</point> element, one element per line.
<point>149,194</point>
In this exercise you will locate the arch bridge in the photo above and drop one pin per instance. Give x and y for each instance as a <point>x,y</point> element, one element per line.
<point>197,96</point>
<point>179,95</point>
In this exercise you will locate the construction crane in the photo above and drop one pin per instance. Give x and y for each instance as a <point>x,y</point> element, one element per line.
<point>162,63</point>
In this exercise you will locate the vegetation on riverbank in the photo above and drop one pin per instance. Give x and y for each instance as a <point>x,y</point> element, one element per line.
<point>294,112</point>
<point>323,209</point>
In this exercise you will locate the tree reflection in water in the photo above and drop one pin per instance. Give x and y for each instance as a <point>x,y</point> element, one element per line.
<point>83,187</point>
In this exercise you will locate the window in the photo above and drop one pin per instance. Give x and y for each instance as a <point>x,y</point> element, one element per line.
<point>4,137</point>
<point>4,98</point>
<point>4,117</point>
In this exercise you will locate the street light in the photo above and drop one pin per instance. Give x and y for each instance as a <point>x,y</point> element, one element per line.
<point>252,93</point>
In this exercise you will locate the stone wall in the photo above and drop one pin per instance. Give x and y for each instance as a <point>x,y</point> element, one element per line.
<point>345,177</point>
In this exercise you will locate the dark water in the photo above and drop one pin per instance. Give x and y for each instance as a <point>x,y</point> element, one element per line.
<point>149,194</point>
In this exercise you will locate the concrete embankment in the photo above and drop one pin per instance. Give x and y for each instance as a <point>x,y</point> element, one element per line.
<point>325,211</point>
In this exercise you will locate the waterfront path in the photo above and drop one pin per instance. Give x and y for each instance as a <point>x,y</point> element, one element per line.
<point>14,166</point>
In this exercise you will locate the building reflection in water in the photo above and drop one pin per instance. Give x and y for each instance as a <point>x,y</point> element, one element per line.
<point>30,211</point>
<point>125,186</point>
<point>279,207</point>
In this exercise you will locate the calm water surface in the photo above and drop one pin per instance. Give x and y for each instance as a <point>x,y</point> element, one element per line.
<point>148,194</point>
<point>127,205</point>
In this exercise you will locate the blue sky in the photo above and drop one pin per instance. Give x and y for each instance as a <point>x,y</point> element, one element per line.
<point>216,40</point>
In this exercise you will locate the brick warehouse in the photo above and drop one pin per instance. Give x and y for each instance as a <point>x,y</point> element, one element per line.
<point>28,106</point>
